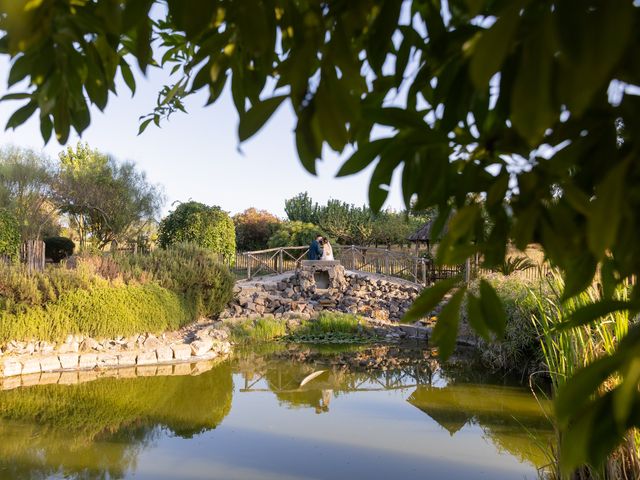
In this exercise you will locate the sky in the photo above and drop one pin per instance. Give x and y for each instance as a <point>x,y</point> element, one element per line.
<point>197,156</point>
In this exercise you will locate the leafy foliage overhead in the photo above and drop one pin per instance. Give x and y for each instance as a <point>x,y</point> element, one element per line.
<point>529,106</point>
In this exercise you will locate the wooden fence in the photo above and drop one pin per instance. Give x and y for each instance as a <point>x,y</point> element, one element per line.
<point>32,255</point>
<point>364,259</point>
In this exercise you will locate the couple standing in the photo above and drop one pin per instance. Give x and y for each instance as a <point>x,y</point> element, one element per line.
<point>320,249</point>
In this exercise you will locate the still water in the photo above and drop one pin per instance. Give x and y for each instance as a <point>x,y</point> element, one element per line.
<point>290,413</point>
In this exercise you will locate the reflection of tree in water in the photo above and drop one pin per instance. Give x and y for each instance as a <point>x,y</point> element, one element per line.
<point>510,416</point>
<point>97,429</point>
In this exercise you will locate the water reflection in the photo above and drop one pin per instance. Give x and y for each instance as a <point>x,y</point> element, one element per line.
<point>110,428</point>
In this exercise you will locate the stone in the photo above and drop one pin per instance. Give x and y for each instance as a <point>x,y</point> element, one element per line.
<point>106,360</point>
<point>181,351</point>
<point>10,366</point>
<point>50,363</point>
<point>87,376</point>
<point>89,344</point>
<point>31,365</point>
<point>68,360</point>
<point>128,372</point>
<point>164,353</point>
<point>147,358</point>
<point>127,359</point>
<point>30,380</point>
<point>201,367</point>
<point>151,343</point>
<point>200,347</point>
<point>88,360</point>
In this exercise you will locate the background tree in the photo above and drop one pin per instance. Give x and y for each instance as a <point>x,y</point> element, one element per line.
<point>254,228</point>
<point>301,209</point>
<point>105,200</point>
<point>25,190</point>
<point>295,234</point>
<point>9,236</point>
<point>197,223</point>
<point>530,102</point>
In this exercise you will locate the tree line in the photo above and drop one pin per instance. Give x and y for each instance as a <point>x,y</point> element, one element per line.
<point>341,222</point>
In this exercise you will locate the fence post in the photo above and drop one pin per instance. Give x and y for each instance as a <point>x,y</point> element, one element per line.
<point>248,267</point>
<point>424,272</point>
<point>280,261</point>
<point>353,256</point>
<point>386,262</point>
<point>467,270</point>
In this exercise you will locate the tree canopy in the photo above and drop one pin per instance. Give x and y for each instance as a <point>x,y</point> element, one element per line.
<point>530,108</point>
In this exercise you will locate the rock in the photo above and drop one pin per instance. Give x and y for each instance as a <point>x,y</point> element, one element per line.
<point>31,365</point>
<point>181,351</point>
<point>127,359</point>
<point>200,347</point>
<point>89,344</point>
<point>151,343</point>
<point>147,358</point>
<point>68,360</point>
<point>10,366</point>
<point>50,363</point>
<point>88,360</point>
<point>107,360</point>
<point>164,353</point>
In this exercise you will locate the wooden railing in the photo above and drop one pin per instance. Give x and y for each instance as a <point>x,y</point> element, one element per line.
<point>366,259</point>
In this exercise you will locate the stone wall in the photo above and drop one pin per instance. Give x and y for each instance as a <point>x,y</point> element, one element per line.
<point>201,341</point>
<point>358,293</point>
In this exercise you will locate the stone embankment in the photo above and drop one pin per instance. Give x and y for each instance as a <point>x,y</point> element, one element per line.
<point>300,294</point>
<point>198,342</point>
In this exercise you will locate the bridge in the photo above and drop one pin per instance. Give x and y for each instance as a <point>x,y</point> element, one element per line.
<point>380,261</point>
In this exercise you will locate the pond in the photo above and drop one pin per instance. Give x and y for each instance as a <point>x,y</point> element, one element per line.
<point>288,412</point>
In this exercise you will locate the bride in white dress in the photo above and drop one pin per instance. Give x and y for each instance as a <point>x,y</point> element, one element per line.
<point>327,251</point>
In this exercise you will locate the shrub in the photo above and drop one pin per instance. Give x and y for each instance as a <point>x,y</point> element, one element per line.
<point>186,269</point>
<point>519,350</point>
<point>102,310</point>
<point>9,235</point>
<point>58,248</point>
<point>193,222</point>
<point>294,234</point>
<point>512,265</point>
<point>254,228</point>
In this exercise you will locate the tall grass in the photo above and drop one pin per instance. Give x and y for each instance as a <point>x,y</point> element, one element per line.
<point>566,351</point>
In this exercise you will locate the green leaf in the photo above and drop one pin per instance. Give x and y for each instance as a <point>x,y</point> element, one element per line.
<point>493,44</point>
<point>532,110</point>
<point>429,299</point>
<point>127,75</point>
<point>579,275</point>
<point>363,157</point>
<point>385,23</point>
<point>192,16</point>
<point>606,210</point>
<point>625,394</point>
<point>476,317</point>
<point>382,175</point>
<point>446,330</point>
<point>15,96</point>
<point>397,117</point>
<point>492,309</point>
<point>144,125</point>
<point>577,391</point>
<point>589,313</point>
<point>21,115</point>
<point>253,120</point>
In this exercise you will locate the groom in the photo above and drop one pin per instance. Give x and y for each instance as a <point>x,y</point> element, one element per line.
<point>315,250</point>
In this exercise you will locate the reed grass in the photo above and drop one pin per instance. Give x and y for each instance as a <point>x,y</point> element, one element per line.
<point>566,351</point>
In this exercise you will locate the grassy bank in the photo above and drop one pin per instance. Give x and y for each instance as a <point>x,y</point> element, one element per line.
<point>328,327</point>
<point>112,296</point>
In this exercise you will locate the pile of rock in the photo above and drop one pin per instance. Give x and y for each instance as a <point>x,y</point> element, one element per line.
<point>358,293</point>
<point>195,343</point>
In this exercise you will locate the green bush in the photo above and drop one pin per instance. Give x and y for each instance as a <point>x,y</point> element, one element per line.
<point>186,269</point>
<point>294,234</point>
<point>9,235</point>
<point>208,227</point>
<point>58,248</point>
<point>99,311</point>
<point>519,350</point>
